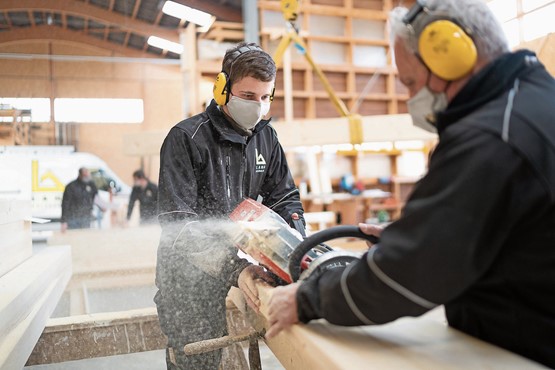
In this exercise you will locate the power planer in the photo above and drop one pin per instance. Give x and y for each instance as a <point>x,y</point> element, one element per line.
<point>285,251</point>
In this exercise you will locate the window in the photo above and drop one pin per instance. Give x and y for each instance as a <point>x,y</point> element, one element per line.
<point>31,109</point>
<point>524,20</point>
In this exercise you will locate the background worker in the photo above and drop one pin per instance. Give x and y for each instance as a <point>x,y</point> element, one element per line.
<point>477,233</point>
<point>77,202</point>
<point>146,192</point>
<point>208,164</point>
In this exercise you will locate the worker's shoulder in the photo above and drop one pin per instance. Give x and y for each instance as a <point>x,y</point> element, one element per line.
<point>191,125</point>
<point>267,132</point>
<point>73,183</point>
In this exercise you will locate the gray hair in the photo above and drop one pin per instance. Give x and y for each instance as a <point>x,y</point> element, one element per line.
<point>473,15</point>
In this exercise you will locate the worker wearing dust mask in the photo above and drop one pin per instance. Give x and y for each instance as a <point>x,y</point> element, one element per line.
<point>208,164</point>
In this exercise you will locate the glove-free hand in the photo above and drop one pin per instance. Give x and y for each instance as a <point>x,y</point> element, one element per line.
<point>282,309</point>
<point>248,278</point>
<point>370,229</point>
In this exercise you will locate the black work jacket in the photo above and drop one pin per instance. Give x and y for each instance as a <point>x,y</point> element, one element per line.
<point>78,200</point>
<point>478,232</point>
<point>207,169</point>
<point>148,201</point>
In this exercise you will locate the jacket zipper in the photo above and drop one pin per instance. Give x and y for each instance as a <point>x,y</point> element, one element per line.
<point>228,175</point>
<point>243,171</point>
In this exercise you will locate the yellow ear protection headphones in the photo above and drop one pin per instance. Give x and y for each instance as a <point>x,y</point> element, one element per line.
<point>222,85</point>
<point>444,46</point>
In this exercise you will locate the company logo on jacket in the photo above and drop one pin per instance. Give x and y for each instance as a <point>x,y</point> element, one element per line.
<point>260,161</point>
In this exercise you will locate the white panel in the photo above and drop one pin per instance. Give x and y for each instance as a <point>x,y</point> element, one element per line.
<point>538,23</point>
<point>323,25</point>
<point>328,53</point>
<point>528,5</point>
<point>271,18</point>
<point>369,56</point>
<point>374,166</point>
<point>411,164</point>
<point>503,10</point>
<point>368,29</point>
<point>339,166</point>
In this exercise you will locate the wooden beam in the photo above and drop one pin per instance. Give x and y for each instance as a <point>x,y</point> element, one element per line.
<point>98,335</point>
<point>136,9</point>
<point>36,285</point>
<point>336,130</point>
<point>116,333</point>
<point>60,34</point>
<point>88,11</point>
<point>408,343</point>
<point>15,243</point>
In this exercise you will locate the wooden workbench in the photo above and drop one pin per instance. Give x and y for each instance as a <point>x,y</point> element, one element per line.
<point>409,343</point>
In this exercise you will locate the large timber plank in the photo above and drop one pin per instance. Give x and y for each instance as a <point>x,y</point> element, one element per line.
<point>98,335</point>
<point>15,233</point>
<point>408,343</point>
<point>25,308</point>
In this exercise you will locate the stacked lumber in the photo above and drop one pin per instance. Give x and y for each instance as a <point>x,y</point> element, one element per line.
<point>15,243</point>
<point>30,284</point>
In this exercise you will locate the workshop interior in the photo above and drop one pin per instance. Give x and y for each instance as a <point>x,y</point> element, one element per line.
<point>99,84</point>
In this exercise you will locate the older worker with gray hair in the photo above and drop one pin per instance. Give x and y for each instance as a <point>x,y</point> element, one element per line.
<point>478,232</point>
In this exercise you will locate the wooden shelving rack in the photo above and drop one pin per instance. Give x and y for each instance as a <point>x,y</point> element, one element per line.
<point>349,41</point>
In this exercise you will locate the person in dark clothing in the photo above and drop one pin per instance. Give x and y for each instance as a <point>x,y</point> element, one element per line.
<point>146,192</point>
<point>77,202</point>
<point>208,164</point>
<point>477,234</point>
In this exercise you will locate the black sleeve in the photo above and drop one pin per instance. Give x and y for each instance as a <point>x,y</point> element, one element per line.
<point>451,230</point>
<point>154,190</point>
<point>279,190</point>
<point>66,202</point>
<point>132,199</point>
<point>177,187</point>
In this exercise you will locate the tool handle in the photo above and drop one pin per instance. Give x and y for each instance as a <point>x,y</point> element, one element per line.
<point>216,343</point>
<point>320,237</point>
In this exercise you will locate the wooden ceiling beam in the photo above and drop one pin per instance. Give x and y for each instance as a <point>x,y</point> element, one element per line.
<point>31,18</point>
<point>88,11</point>
<point>53,33</point>
<point>136,9</point>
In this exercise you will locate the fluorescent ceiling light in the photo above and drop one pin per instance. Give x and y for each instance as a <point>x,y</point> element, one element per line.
<point>189,14</point>
<point>204,29</point>
<point>165,44</point>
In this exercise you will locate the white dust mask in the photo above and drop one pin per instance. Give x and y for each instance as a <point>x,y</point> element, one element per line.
<point>247,113</point>
<point>423,106</point>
